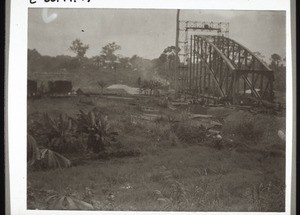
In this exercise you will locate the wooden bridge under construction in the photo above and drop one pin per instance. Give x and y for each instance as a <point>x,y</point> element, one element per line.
<point>214,67</point>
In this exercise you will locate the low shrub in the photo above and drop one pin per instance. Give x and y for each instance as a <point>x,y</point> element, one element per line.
<point>249,127</point>
<point>249,131</point>
<point>160,131</point>
<point>189,133</point>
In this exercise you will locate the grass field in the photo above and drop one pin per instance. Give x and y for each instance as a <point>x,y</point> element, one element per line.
<point>245,173</point>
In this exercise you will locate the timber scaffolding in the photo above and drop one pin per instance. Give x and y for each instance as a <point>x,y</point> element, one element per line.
<point>215,67</point>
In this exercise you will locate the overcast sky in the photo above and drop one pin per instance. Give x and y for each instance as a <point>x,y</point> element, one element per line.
<point>147,32</point>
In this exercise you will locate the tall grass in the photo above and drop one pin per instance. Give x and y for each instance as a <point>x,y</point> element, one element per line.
<point>166,178</point>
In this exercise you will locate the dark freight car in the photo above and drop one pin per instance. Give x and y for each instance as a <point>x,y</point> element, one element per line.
<point>31,88</point>
<point>59,87</point>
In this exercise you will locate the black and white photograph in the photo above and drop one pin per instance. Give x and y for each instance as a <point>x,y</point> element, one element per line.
<point>156,110</point>
<point>136,108</point>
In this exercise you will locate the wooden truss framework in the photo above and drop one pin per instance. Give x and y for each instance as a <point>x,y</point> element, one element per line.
<point>219,67</point>
<point>187,27</point>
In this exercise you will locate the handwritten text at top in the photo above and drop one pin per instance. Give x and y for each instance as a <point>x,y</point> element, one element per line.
<point>46,1</point>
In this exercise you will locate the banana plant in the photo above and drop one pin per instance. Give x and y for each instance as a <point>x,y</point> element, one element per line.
<point>33,151</point>
<point>67,201</point>
<point>51,160</point>
<point>62,134</point>
<point>96,125</point>
<point>44,158</point>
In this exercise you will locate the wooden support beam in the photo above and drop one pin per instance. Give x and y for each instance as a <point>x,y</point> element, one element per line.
<point>234,88</point>
<point>204,59</point>
<point>221,69</point>
<point>246,59</point>
<point>255,79</point>
<point>194,65</point>
<point>228,52</point>
<point>265,90</point>
<point>176,54</point>
<point>190,61</point>
<point>197,68</point>
<point>261,84</point>
<point>210,65</point>
<point>214,76</point>
<point>245,87</point>
<point>227,79</point>
<point>251,87</point>
<point>201,66</point>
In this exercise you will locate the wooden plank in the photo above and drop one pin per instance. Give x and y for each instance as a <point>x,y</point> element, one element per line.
<point>194,116</point>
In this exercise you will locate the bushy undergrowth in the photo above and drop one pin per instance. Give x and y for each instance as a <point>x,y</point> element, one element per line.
<point>56,133</point>
<point>175,133</point>
<point>89,132</point>
<point>248,130</point>
<point>255,129</point>
<point>188,133</point>
<point>64,134</point>
<point>266,197</point>
<point>209,194</point>
<point>191,178</point>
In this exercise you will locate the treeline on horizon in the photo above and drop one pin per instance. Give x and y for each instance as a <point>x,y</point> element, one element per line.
<point>107,59</point>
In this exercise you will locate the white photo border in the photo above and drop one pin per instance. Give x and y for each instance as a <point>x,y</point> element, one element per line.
<point>17,86</point>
